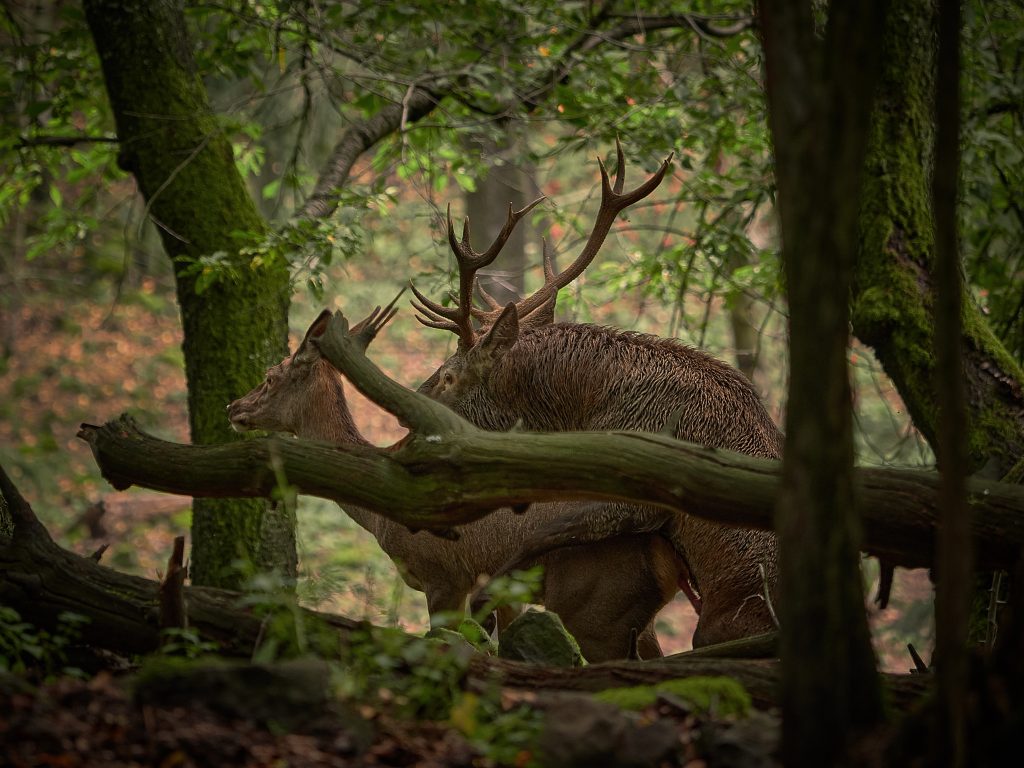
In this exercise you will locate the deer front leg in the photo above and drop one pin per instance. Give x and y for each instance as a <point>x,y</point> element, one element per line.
<point>446,605</point>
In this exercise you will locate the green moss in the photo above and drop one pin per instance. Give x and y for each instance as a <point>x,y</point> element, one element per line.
<point>718,696</point>
<point>468,633</point>
<point>539,637</point>
<point>891,300</point>
<point>477,636</point>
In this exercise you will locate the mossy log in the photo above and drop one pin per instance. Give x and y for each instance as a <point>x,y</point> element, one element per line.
<point>41,580</point>
<point>436,482</point>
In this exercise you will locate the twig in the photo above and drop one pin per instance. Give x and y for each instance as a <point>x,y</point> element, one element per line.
<point>920,668</point>
<point>767,596</point>
<point>173,613</point>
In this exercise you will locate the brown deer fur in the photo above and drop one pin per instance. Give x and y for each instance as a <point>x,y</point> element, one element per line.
<point>567,377</point>
<point>638,574</point>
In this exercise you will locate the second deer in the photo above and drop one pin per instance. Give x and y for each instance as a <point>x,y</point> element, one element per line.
<point>515,366</point>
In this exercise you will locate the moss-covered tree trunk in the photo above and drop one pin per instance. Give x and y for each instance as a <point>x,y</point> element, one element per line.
<point>819,97</point>
<point>183,164</point>
<point>892,296</point>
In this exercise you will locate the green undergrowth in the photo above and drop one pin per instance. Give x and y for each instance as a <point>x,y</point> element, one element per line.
<point>426,679</point>
<point>34,652</point>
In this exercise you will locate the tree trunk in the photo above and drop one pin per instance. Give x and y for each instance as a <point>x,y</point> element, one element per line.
<point>953,555</point>
<point>746,336</point>
<point>237,327</point>
<point>819,97</point>
<point>892,302</point>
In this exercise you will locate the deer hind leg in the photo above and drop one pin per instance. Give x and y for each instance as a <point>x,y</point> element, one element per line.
<point>603,592</point>
<point>647,644</point>
<point>735,570</point>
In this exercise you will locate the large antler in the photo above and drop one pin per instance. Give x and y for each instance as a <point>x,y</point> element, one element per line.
<point>459,318</point>
<point>539,307</point>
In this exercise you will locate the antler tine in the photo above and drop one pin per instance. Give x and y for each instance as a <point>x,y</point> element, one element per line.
<point>548,260</point>
<point>615,198</point>
<point>489,300</point>
<point>444,325</point>
<point>459,318</point>
<point>366,330</point>
<point>514,217</point>
<point>432,308</point>
<point>613,202</point>
<point>620,167</point>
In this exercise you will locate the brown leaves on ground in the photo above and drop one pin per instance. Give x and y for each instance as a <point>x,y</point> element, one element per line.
<point>72,724</point>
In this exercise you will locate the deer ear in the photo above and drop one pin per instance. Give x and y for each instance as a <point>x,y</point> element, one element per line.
<point>504,333</point>
<point>316,330</point>
<point>543,315</point>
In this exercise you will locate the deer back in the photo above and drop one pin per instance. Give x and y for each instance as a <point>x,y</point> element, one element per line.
<point>573,377</point>
<point>569,377</point>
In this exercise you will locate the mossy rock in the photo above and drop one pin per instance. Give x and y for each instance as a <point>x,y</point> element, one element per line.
<point>718,696</point>
<point>539,637</point>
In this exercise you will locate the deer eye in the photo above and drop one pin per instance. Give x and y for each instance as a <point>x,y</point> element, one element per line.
<point>448,378</point>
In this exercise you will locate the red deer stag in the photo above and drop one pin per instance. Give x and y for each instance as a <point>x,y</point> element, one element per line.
<point>515,366</point>
<point>304,395</point>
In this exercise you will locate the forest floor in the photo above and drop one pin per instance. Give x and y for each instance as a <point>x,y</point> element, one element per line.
<point>96,724</point>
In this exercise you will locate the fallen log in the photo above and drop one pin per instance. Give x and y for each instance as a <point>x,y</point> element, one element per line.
<point>448,472</point>
<point>41,580</point>
<point>437,481</point>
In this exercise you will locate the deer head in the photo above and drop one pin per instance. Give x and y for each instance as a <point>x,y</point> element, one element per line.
<point>458,383</point>
<point>303,394</point>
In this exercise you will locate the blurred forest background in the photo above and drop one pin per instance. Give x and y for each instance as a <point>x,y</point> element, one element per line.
<point>89,324</point>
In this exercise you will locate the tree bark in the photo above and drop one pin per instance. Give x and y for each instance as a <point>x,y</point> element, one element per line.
<point>454,479</point>
<point>236,328</point>
<point>819,97</point>
<point>953,555</point>
<point>892,301</point>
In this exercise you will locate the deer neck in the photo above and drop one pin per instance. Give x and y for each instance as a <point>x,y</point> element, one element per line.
<point>328,419</point>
